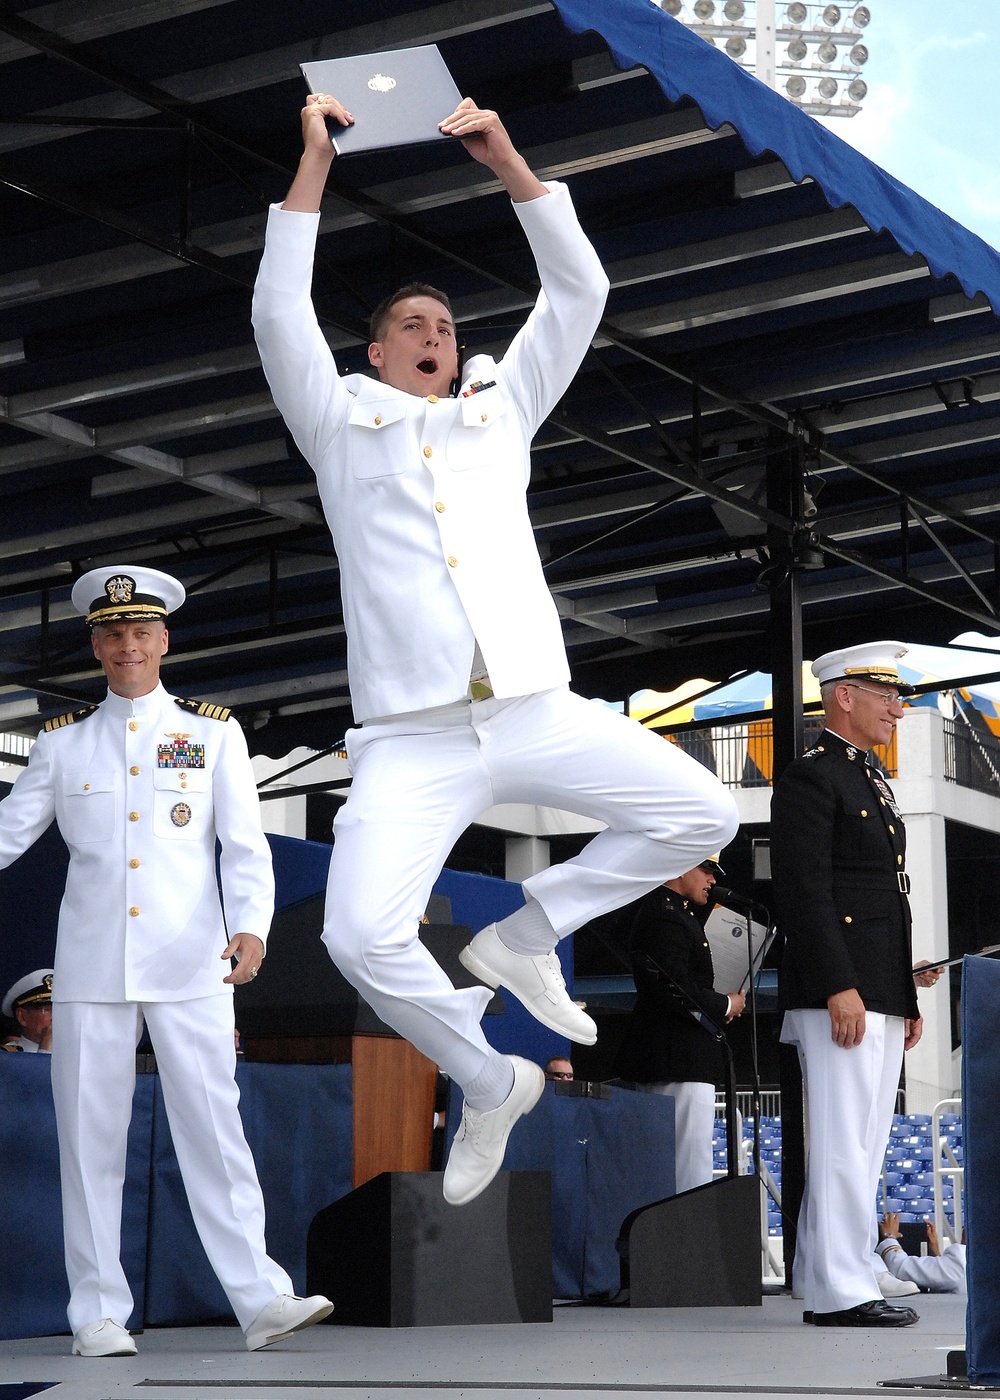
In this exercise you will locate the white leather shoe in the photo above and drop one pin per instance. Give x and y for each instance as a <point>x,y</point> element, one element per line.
<point>536,981</point>
<point>477,1152</point>
<point>892,1287</point>
<point>103,1338</point>
<point>284,1315</point>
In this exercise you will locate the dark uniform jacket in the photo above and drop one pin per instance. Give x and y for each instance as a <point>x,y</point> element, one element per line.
<point>664,1043</point>
<point>838,857</point>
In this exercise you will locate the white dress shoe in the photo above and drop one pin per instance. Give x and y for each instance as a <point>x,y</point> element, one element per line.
<point>536,981</point>
<point>284,1315</point>
<point>892,1287</point>
<point>477,1152</point>
<point>103,1338</point>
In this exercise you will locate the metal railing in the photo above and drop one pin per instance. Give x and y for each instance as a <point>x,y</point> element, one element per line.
<point>742,755</point>
<point>971,756</point>
<point>15,748</point>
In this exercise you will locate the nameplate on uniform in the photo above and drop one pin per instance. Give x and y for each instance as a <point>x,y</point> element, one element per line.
<point>180,753</point>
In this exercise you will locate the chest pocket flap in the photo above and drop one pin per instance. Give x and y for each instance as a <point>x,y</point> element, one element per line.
<point>483,409</point>
<point>83,782</point>
<point>376,413</point>
<point>181,779</point>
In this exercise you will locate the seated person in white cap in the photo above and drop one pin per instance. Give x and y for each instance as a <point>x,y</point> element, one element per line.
<point>29,1003</point>
<point>141,786</point>
<point>838,861</point>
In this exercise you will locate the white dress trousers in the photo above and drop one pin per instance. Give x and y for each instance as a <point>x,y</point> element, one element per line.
<point>419,780</point>
<point>850,1096</point>
<point>93,1078</point>
<point>694,1123</point>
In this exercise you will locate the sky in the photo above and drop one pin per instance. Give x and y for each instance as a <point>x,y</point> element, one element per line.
<point>932,113</point>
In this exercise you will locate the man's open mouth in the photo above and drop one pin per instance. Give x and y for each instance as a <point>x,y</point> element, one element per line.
<point>427,366</point>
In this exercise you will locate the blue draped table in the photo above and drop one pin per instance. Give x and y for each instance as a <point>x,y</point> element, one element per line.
<point>298,1123</point>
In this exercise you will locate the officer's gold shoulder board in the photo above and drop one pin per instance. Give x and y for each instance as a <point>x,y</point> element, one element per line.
<point>203,708</point>
<point>74,717</point>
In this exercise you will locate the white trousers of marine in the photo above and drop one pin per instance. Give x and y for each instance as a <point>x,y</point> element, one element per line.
<point>93,1078</point>
<point>850,1097</point>
<point>418,782</point>
<point>694,1124</point>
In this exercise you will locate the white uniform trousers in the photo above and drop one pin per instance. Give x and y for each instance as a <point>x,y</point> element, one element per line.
<point>850,1096</point>
<point>93,1079</point>
<point>419,780</point>
<point>694,1125</point>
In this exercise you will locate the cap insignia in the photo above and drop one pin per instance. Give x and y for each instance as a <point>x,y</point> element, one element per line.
<point>119,589</point>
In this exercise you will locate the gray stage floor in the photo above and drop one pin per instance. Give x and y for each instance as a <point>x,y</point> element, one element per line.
<point>585,1351</point>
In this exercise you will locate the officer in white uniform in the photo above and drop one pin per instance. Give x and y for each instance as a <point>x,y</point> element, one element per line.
<point>141,786</point>
<point>838,861</point>
<point>457,666</point>
<point>29,1003</point>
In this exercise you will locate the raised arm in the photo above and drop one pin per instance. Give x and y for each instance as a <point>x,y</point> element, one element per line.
<point>306,192</point>
<point>485,137</point>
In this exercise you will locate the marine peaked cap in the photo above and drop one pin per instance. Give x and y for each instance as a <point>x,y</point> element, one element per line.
<point>126,593</point>
<point>872,661</point>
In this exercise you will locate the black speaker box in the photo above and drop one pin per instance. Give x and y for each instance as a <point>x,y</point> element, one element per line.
<point>700,1249</point>
<point>393,1253</point>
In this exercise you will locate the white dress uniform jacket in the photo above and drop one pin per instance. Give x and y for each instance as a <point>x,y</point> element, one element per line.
<point>426,498</point>
<point>140,789</point>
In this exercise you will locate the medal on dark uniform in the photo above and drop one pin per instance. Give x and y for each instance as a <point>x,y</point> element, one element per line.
<point>885,790</point>
<point>180,814</point>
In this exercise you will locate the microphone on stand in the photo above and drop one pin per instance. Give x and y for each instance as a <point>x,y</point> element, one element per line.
<point>732,899</point>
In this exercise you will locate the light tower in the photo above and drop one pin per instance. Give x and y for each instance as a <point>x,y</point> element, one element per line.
<point>812,53</point>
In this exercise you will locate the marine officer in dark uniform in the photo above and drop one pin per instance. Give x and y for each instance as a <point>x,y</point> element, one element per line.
<point>838,858</point>
<point>666,1050</point>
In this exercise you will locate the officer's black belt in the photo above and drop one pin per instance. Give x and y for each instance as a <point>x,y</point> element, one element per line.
<point>900,882</point>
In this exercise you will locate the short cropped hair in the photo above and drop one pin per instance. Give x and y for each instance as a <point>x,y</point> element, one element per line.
<point>379,322</point>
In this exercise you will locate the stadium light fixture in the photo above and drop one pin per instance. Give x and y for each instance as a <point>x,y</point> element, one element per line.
<point>807,50</point>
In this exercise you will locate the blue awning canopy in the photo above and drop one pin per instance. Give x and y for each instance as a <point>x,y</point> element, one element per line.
<point>639,32</point>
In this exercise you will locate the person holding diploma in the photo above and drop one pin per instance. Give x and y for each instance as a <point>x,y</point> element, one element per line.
<point>457,667</point>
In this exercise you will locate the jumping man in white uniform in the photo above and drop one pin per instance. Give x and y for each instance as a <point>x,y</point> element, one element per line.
<point>457,667</point>
<point>140,787</point>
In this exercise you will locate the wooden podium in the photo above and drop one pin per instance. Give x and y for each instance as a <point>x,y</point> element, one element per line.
<point>394,1088</point>
<point>301,1010</point>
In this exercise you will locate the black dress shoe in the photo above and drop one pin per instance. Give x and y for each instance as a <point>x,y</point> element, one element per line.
<point>807,1316</point>
<point>877,1313</point>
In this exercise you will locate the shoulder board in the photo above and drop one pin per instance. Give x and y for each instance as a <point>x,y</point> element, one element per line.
<point>203,708</point>
<point>13,1049</point>
<point>74,716</point>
